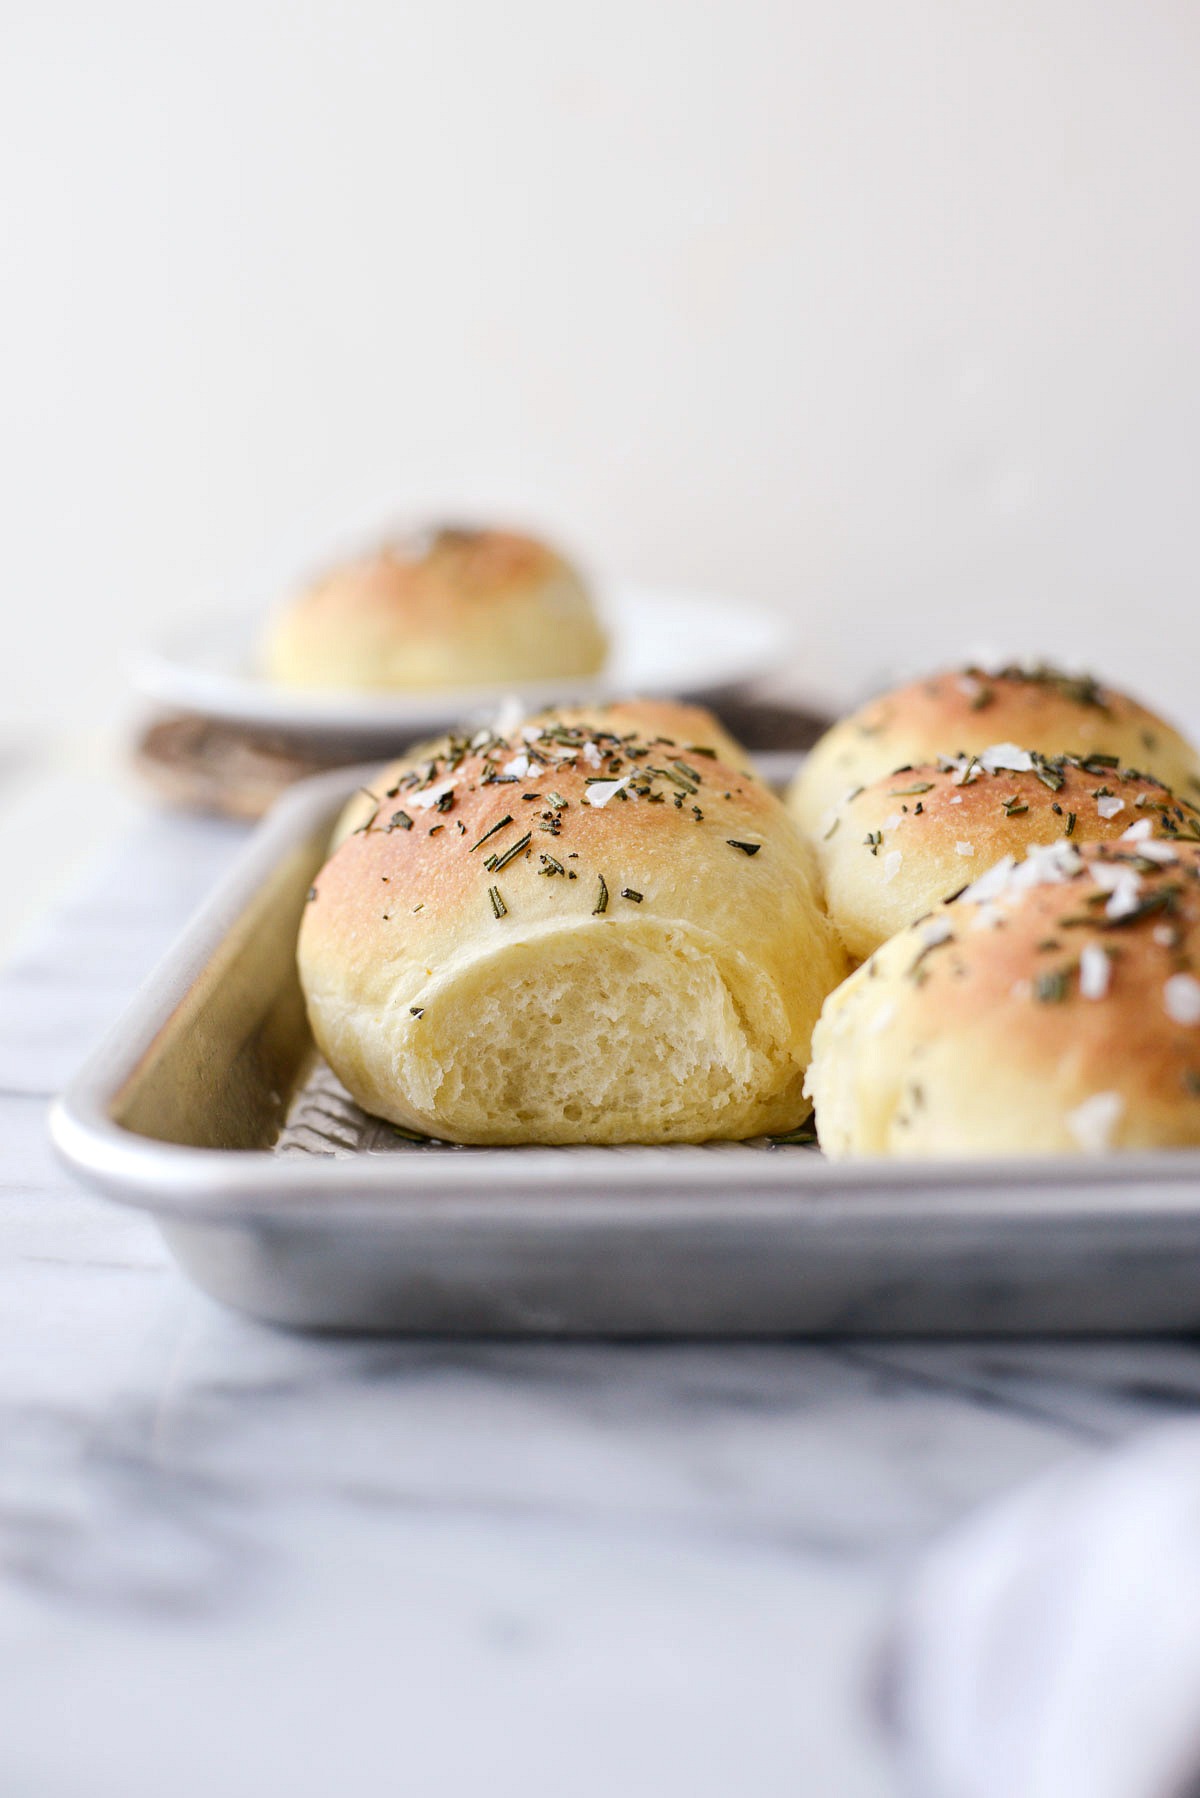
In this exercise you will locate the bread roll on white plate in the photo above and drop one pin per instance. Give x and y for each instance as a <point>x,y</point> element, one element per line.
<point>899,846</point>
<point>1053,1007</point>
<point>447,608</point>
<point>966,710</point>
<point>584,931</point>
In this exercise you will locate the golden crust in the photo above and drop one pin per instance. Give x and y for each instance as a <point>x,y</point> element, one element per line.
<point>902,844</point>
<point>452,607</point>
<point>1060,1016</point>
<point>495,853</point>
<point>965,711</point>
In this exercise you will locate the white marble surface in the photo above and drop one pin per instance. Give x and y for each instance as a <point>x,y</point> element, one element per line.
<point>236,1562</point>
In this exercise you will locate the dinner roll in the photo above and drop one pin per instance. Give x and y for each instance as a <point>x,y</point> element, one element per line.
<point>964,710</point>
<point>1053,1006</point>
<point>577,932</point>
<point>903,843</point>
<point>449,608</point>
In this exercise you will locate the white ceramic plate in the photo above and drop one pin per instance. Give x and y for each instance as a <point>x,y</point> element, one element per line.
<point>661,643</point>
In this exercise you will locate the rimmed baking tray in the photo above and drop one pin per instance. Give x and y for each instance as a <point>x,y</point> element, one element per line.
<point>206,1106</point>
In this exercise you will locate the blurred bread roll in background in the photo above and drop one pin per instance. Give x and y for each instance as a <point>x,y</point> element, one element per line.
<point>965,710</point>
<point>902,844</point>
<point>1054,1007</point>
<point>450,607</point>
<point>585,930</point>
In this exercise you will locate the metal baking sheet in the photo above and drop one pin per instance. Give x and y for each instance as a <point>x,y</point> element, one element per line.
<point>207,1106</point>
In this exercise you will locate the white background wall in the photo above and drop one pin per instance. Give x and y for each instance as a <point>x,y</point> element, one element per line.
<point>882,311</point>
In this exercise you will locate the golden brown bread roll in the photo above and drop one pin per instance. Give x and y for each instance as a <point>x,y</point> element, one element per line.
<point>963,711</point>
<point>902,844</point>
<point>450,608</point>
<point>1054,1006</point>
<point>580,932</point>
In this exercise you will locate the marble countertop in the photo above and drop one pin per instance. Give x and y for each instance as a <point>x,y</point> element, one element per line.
<point>240,1562</point>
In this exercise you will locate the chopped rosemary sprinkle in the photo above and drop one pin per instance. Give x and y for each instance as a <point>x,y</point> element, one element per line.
<point>1013,808</point>
<point>699,749</point>
<point>601,904</point>
<point>1070,830</point>
<point>507,819</point>
<point>920,786</point>
<point>551,866</point>
<point>628,893</point>
<point>310,895</point>
<point>746,848</point>
<point>1051,987</point>
<point>418,1011</point>
<point>872,840</point>
<point>399,821</point>
<point>1049,775</point>
<point>499,909</point>
<point>502,861</point>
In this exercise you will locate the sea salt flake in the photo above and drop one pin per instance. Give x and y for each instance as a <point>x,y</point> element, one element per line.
<point>964,848</point>
<point>1095,972</point>
<point>956,799</point>
<point>938,930</point>
<point>991,884</point>
<point>599,792</point>
<point>520,766</point>
<point>893,821</point>
<point>1110,805</point>
<point>882,1018</point>
<point>1006,755</point>
<point>891,865</point>
<point>1137,833</point>
<point>429,797</point>
<point>1160,852</point>
<point>1181,997</point>
<point>591,754</point>
<point>1122,883</point>
<point>1092,1123</point>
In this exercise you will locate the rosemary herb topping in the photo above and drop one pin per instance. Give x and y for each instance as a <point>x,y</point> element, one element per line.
<point>601,904</point>
<point>507,819</point>
<point>499,909</point>
<point>514,849</point>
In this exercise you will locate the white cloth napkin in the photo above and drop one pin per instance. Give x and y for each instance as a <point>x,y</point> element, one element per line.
<point>1050,1648</point>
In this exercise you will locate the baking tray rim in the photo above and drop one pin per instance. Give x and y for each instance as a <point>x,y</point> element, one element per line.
<point>677,1181</point>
